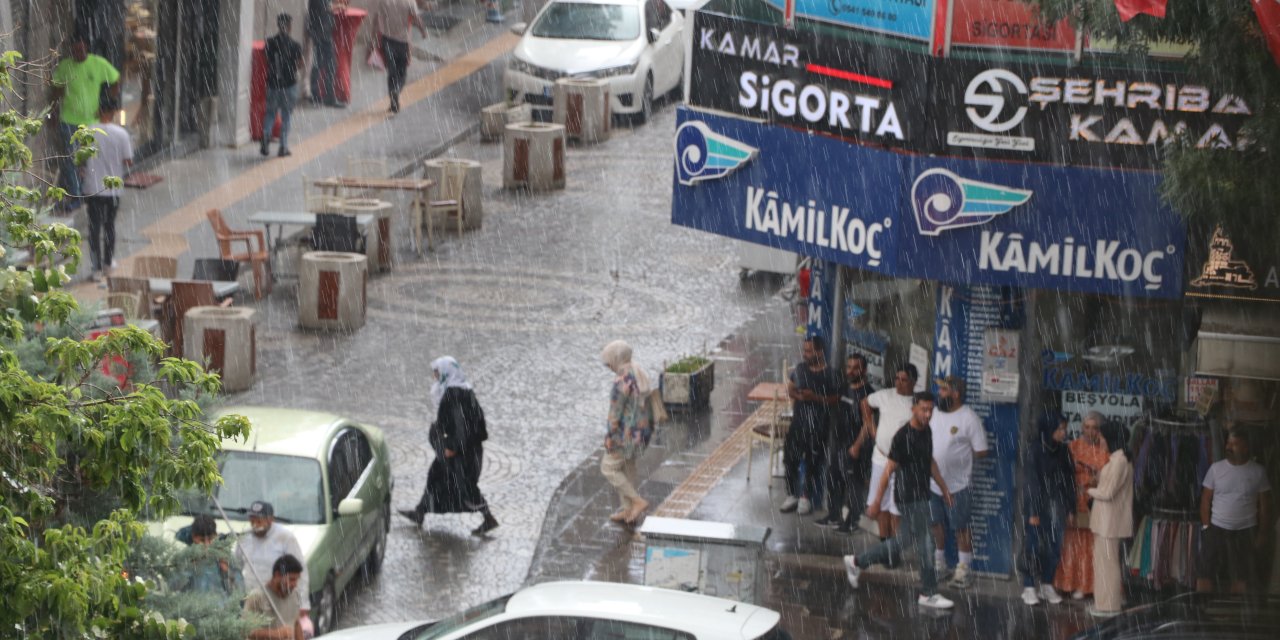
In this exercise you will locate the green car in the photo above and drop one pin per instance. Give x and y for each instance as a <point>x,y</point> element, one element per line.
<point>330,482</point>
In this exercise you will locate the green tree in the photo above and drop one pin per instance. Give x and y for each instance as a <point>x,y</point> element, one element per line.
<point>1239,187</point>
<point>64,433</point>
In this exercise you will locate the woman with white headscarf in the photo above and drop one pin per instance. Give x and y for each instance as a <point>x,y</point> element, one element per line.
<point>457,436</point>
<point>630,424</point>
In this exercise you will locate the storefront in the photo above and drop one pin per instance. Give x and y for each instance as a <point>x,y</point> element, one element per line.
<point>1022,245</point>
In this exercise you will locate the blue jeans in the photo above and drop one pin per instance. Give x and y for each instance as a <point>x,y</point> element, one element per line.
<point>66,166</point>
<point>281,100</point>
<point>1042,547</point>
<point>913,528</point>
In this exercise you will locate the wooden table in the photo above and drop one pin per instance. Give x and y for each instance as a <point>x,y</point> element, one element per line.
<point>221,288</point>
<point>419,187</point>
<point>766,391</point>
<point>281,219</point>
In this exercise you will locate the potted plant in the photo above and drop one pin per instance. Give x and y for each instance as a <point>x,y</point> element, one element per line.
<point>688,381</point>
<point>495,118</point>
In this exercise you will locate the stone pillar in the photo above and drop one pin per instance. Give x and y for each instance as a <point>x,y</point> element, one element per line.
<point>332,290</point>
<point>235,50</point>
<point>472,188</point>
<point>533,156</point>
<point>225,338</point>
<point>582,106</point>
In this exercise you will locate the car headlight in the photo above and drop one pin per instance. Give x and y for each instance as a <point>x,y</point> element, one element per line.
<point>613,72</point>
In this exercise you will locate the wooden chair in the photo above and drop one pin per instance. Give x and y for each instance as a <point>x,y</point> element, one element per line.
<point>337,232</point>
<point>130,302</point>
<point>365,168</point>
<point>149,306</point>
<point>770,428</point>
<point>155,267</point>
<point>315,200</point>
<point>450,204</point>
<point>259,258</point>
<point>188,294</point>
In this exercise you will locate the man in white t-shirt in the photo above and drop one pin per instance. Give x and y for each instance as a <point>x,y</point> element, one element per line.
<point>113,159</point>
<point>259,550</point>
<point>958,438</point>
<point>1235,513</point>
<point>894,406</point>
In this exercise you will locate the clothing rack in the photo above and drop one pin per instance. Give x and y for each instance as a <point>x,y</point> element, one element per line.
<point>1164,552</point>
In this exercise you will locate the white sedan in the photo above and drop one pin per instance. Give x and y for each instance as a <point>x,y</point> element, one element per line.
<point>588,610</point>
<point>635,44</point>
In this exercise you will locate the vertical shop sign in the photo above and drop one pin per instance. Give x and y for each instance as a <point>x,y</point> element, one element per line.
<point>821,293</point>
<point>965,313</point>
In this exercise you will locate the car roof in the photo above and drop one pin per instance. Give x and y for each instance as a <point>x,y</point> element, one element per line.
<point>622,2</point>
<point>283,431</point>
<point>695,613</point>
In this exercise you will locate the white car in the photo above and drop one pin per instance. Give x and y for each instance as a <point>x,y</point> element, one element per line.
<point>635,44</point>
<point>587,610</point>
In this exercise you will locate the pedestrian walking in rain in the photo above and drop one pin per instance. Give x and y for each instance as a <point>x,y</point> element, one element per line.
<point>114,158</point>
<point>1111,519</point>
<point>78,83</point>
<point>457,437</point>
<point>629,427</point>
<point>910,463</point>
<point>1049,495</point>
<point>324,60</point>
<point>284,63</point>
<point>392,21</point>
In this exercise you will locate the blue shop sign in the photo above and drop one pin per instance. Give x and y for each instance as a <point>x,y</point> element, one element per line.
<point>958,220</point>
<point>907,18</point>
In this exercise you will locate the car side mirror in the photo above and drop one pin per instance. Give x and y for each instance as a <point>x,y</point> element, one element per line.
<point>653,35</point>
<point>519,27</point>
<point>351,507</point>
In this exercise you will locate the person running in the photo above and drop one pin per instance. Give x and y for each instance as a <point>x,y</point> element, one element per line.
<point>958,438</point>
<point>910,463</point>
<point>457,436</point>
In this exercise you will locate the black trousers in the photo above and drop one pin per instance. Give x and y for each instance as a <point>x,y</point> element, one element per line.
<point>102,229</point>
<point>395,55</point>
<point>324,69</point>
<point>846,480</point>
<point>804,445</point>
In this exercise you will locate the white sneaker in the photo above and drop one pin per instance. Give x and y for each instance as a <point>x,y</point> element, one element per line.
<point>940,568</point>
<point>805,507</point>
<point>961,578</point>
<point>1029,596</point>
<point>1049,594</point>
<point>1077,595</point>
<point>789,504</point>
<point>935,601</point>
<point>851,570</point>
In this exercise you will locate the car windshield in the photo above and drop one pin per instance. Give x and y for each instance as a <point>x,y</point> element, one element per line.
<point>291,484</point>
<point>588,21</point>
<point>458,621</point>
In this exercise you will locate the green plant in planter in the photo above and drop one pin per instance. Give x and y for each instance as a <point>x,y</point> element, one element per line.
<point>688,364</point>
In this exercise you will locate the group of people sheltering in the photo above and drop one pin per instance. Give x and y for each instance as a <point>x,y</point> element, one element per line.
<point>911,455</point>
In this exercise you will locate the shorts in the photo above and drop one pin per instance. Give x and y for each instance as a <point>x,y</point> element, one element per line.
<point>1227,553</point>
<point>886,503</point>
<point>956,516</point>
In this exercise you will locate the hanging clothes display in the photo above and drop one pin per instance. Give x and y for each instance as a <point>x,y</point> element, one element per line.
<point>1172,459</point>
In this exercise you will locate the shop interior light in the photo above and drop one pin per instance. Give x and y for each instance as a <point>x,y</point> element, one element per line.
<point>1107,352</point>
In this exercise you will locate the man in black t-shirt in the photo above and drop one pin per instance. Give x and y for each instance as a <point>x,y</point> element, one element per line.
<point>847,475</point>
<point>814,389</point>
<point>284,62</point>
<point>324,60</point>
<point>911,464</point>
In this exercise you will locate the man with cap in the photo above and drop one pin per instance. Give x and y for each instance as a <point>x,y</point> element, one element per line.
<point>265,544</point>
<point>958,438</point>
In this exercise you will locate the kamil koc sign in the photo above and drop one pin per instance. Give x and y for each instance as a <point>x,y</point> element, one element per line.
<point>979,222</point>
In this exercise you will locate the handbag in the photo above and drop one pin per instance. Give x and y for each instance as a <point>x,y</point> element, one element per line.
<point>374,59</point>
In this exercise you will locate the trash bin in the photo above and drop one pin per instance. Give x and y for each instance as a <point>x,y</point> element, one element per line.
<point>258,93</point>
<point>711,558</point>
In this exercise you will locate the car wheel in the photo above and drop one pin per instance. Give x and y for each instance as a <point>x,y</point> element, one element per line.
<point>324,610</point>
<point>373,563</point>
<point>646,101</point>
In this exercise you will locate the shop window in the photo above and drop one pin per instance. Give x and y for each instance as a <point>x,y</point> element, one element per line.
<point>883,317</point>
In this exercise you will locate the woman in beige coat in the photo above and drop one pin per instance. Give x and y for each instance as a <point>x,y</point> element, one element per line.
<point>1110,520</point>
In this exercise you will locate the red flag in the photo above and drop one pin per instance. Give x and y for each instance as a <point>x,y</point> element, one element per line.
<point>1268,12</point>
<point>1130,8</point>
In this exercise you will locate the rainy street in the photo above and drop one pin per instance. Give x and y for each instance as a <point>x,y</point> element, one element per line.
<point>963,312</point>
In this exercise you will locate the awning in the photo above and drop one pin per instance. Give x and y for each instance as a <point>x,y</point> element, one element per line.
<point>1239,341</point>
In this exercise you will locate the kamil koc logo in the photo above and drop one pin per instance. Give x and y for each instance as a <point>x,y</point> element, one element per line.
<point>702,154</point>
<point>943,200</point>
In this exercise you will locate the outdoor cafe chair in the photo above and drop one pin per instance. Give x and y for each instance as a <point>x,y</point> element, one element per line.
<point>259,257</point>
<point>188,294</point>
<point>337,232</point>
<point>450,204</point>
<point>770,428</point>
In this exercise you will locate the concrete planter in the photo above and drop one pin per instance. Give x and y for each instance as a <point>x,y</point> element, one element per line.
<point>533,156</point>
<point>691,390</point>
<point>495,118</point>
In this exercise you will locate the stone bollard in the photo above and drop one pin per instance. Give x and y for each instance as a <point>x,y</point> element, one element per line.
<point>226,339</point>
<point>379,249</point>
<point>332,290</point>
<point>582,106</point>
<point>533,156</point>
<point>472,191</point>
<point>495,118</point>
